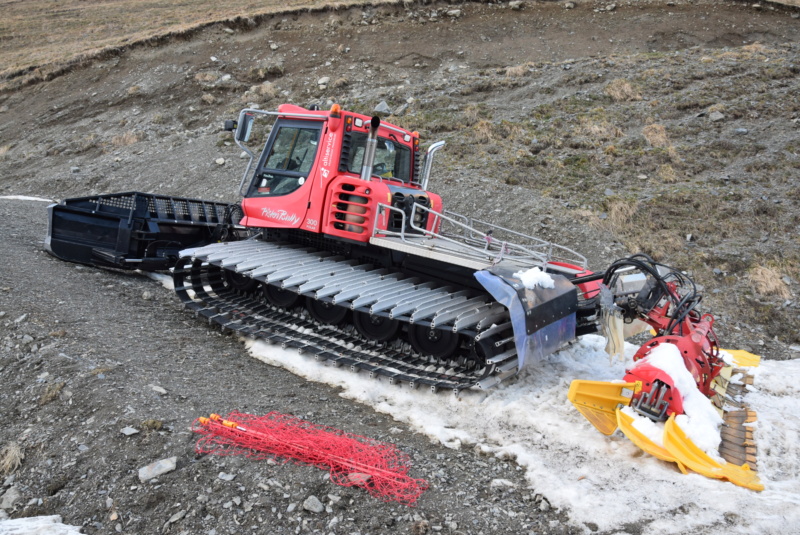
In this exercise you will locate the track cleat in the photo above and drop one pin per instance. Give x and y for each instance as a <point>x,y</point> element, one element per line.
<point>686,452</point>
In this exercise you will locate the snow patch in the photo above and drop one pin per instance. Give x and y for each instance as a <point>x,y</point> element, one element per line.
<point>535,277</point>
<point>24,198</point>
<point>607,481</point>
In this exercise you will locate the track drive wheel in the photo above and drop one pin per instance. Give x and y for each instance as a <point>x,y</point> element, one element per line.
<point>324,312</point>
<point>435,343</point>
<point>279,297</point>
<point>239,282</point>
<point>377,328</point>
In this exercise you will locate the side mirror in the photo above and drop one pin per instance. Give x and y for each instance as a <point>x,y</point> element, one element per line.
<point>245,127</point>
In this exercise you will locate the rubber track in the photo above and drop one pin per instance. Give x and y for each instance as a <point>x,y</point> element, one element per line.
<point>241,313</point>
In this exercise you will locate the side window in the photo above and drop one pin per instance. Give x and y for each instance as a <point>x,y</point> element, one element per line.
<point>392,160</point>
<point>288,163</point>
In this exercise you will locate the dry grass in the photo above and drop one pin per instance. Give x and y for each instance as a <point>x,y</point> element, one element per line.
<point>11,457</point>
<point>152,425</point>
<point>78,32</point>
<point>126,139</point>
<point>516,71</point>
<point>621,90</point>
<point>51,393</point>
<point>767,281</point>
<point>667,174</point>
<point>598,130</point>
<point>656,135</point>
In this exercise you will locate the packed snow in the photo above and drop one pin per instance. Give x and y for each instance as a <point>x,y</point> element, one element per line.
<point>535,277</point>
<point>596,479</point>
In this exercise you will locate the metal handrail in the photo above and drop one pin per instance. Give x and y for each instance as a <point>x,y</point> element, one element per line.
<point>481,244</point>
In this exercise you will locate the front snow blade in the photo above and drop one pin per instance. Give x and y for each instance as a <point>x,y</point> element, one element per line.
<point>598,401</point>
<point>626,425</point>
<point>686,452</point>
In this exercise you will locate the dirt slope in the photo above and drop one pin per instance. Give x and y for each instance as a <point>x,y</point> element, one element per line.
<point>540,138</point>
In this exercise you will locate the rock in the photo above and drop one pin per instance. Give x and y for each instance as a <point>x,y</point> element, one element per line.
<point>10,497</point>
<point>244,155</point>
<point>228,30</point>
<point>382,107</point>
<point>158,468</point>
<point>501,483</point>
<point>274,46</point>
<point>27,339</point>
<point>214,58</point>
<point>359,479</point>
<point>715,116</point>
<point>568,5</point>
<point>147,296</point>
<point>716,271</point>
<point>544,506</point>
<point>128,431</point>
<point>740,131</point>
<point>177,516</point>
<point>608,192</point>
<point>325,80</point>
<point>611,7</point>
<point>220,161</point>
<point>21,319</point>
<point>454,13</point>
<point>237,500</point>
<point>74,170</point>
<point>157,389</point>
<point>313,504</point>
<point>226,477</point>
<point>516,5</point>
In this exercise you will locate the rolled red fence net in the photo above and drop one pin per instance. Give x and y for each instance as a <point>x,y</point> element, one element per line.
<point>352,460</point>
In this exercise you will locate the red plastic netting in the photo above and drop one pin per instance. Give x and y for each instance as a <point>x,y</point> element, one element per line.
<point>353,460</point>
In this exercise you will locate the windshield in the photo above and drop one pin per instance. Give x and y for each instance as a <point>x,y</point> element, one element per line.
<point>392,160</point>
<point>289,162</point>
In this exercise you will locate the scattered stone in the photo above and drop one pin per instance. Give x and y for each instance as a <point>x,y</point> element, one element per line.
<point>716,271</point>
<point>274,46</point>
<point>158,468</point>
<point>359,479</point>
<point>10,497</point>
<point>226,477</point>
<point>741,131</point>
<point>214,58</point>
<point>608,192</point>
<point>220,161</point>
<point>568,5</point>
<point>516,5</point>
<point>715,116</point>
<point>52,525</point>
<point>324,81</point>
<point>228,30</point>
<point>21,319</point>
<point>382,107</point>
<point>128,431</point>
<point>244,155</point>
<point>147,296</point>
<point>74,170</point>
<point>313,504</point>
<point>611,7</point>
<point>455,13</point>
<point>157,389</point>
<point>501,483</point>
<point>237,500</point>
<point>177,516</point>
<point>544,506</point>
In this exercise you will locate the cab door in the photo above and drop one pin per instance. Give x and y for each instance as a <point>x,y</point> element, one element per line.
<point>278,196</point>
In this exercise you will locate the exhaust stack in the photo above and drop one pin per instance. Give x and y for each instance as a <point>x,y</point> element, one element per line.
<point>372,145</point>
